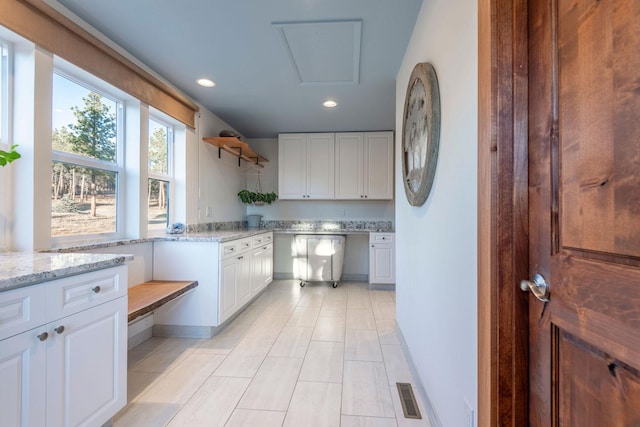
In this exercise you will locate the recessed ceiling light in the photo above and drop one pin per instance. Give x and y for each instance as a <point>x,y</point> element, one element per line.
<point>329,103</point>
<point>206,82</point>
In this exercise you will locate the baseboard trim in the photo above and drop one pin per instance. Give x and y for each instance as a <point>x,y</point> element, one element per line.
<point>382,286</point>
<point>428,407</point>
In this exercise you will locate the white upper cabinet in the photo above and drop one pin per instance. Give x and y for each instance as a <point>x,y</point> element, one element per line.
<point>306,166</point>
<point>364,165</point>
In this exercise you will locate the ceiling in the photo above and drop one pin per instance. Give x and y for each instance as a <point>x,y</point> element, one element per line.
<point>274,61</point>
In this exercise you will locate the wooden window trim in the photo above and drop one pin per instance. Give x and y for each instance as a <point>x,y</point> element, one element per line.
<point>54,32</point>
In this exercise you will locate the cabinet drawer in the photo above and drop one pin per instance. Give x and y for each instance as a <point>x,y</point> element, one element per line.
<point>381,238</point>
<point>71,295</point>
<point>261,240</point>
<point>235,247</point>
<point>229,248</point>
<point>22,309</point>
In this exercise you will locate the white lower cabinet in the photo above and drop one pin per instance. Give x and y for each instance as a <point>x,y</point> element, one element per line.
<point>71,371</point>
<point>246,267</point>
<point>382,258</point>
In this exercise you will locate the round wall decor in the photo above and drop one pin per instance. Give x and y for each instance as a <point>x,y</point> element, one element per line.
<point>420,133</point>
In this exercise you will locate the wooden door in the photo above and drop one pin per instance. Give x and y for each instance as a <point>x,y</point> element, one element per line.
<point>584,205</point>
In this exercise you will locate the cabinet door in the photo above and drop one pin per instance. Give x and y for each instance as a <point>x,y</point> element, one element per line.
<point>87,366</point>
<point>292,166</point>
<point>378,165</point>
<point>22,379</point>
<point>267,265</point>
<point>320,166</point>
<point>349,163</point>
<point>244,278</point>
<point>228,282</point>
<point>257,274</point>
<point>381,263</point>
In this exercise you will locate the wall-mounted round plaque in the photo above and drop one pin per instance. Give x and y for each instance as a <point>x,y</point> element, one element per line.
<point>420,133</point>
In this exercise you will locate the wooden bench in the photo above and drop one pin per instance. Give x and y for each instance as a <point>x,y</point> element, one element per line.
<point>147,296</point>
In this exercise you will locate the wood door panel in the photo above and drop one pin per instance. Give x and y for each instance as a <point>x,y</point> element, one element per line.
<point>606,393</point>
<point>597,44</point>
<point>584,222</point>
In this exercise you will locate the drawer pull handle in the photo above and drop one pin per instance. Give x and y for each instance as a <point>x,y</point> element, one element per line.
<point>43,336</point>
<point>59,329</point>
<point>96,289</point>
<point>241,257</point>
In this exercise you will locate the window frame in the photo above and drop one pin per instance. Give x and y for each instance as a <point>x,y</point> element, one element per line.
<point>6,138</point>
<point>93,84</point>
<point>169,177</point>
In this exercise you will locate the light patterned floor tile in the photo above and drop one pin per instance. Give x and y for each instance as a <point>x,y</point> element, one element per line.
<point>398,370</point>
<point>292,342</point>
<point>138,382</point>
<point>311,300</point>
<point>362,344</point>
<point>255,418</point>
<point>267,327</point>
<point>179,384</point>
<point>323,363</point>
<point>387,331</point>
<point>168,344</point>
<point>314,405</point>
<point>304,317</point>
<point>360,319</point>
<point>273,385</point>
<point>353,421</point>
<point>160,361</point>
<point>329,329</point>
<point>397,406</point>
<point>145,415</point>
<point>366,390</point>
<point>212,404</point>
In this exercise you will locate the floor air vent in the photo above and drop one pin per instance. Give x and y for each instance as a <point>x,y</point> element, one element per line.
<point>408,400</point>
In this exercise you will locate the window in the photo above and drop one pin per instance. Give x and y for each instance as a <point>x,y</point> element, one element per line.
<point>4,95</point>
<point>160,174</point>
<point>87,163</point>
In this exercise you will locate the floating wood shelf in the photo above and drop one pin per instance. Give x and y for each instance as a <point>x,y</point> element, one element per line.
<point>147,296</point>
<point>233,145</point>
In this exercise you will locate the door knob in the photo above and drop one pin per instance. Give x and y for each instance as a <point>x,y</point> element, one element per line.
<point>538,287</point>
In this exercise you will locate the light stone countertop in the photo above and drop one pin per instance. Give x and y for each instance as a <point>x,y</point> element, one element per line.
<point>19,269</point>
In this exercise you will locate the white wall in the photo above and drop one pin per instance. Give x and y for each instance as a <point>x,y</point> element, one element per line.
<point>340,210</point>
<point>436,243</point>
<point>219,179</point>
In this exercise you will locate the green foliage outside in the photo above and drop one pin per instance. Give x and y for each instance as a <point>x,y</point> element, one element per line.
<point>93,135</point>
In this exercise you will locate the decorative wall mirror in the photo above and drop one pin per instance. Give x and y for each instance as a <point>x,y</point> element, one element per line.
<point>420,133</point>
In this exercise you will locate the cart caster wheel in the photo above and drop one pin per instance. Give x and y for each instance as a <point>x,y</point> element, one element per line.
<point>302,284</point>
<point>335,284</point>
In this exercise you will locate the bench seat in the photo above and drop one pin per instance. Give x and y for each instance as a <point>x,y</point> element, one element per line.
<point>147,296</point>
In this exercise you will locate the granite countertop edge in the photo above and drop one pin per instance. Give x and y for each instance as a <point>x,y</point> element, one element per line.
<point>212,236</point>
<point>20,269</point>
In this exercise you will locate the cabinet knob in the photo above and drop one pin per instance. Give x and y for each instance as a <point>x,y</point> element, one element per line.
<point>43,336</point>
<point>241,257</point>
<point>96,289</point>
<point>373,246</point>
<point>366,196</point>
<point>59,329</point>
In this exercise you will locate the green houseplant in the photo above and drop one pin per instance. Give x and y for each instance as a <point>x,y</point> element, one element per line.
<point>7,157</point>
<point>257,198</point>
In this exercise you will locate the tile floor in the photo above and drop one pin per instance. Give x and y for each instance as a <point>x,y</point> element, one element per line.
<point>303,357</point>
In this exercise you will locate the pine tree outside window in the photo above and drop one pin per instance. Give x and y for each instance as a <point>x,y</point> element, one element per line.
<point>160,154</point>
<point>87,160</point>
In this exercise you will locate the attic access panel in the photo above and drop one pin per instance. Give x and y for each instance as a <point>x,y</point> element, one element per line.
<point>323,53</point>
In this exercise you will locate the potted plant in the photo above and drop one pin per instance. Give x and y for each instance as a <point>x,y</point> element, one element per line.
<point>7,157</point>
<point>257,198</point>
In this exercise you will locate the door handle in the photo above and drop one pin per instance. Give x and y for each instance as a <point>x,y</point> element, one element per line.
<point>538,287</point>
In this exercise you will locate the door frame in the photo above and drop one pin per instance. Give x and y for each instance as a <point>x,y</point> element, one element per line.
<point>503,339</point>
